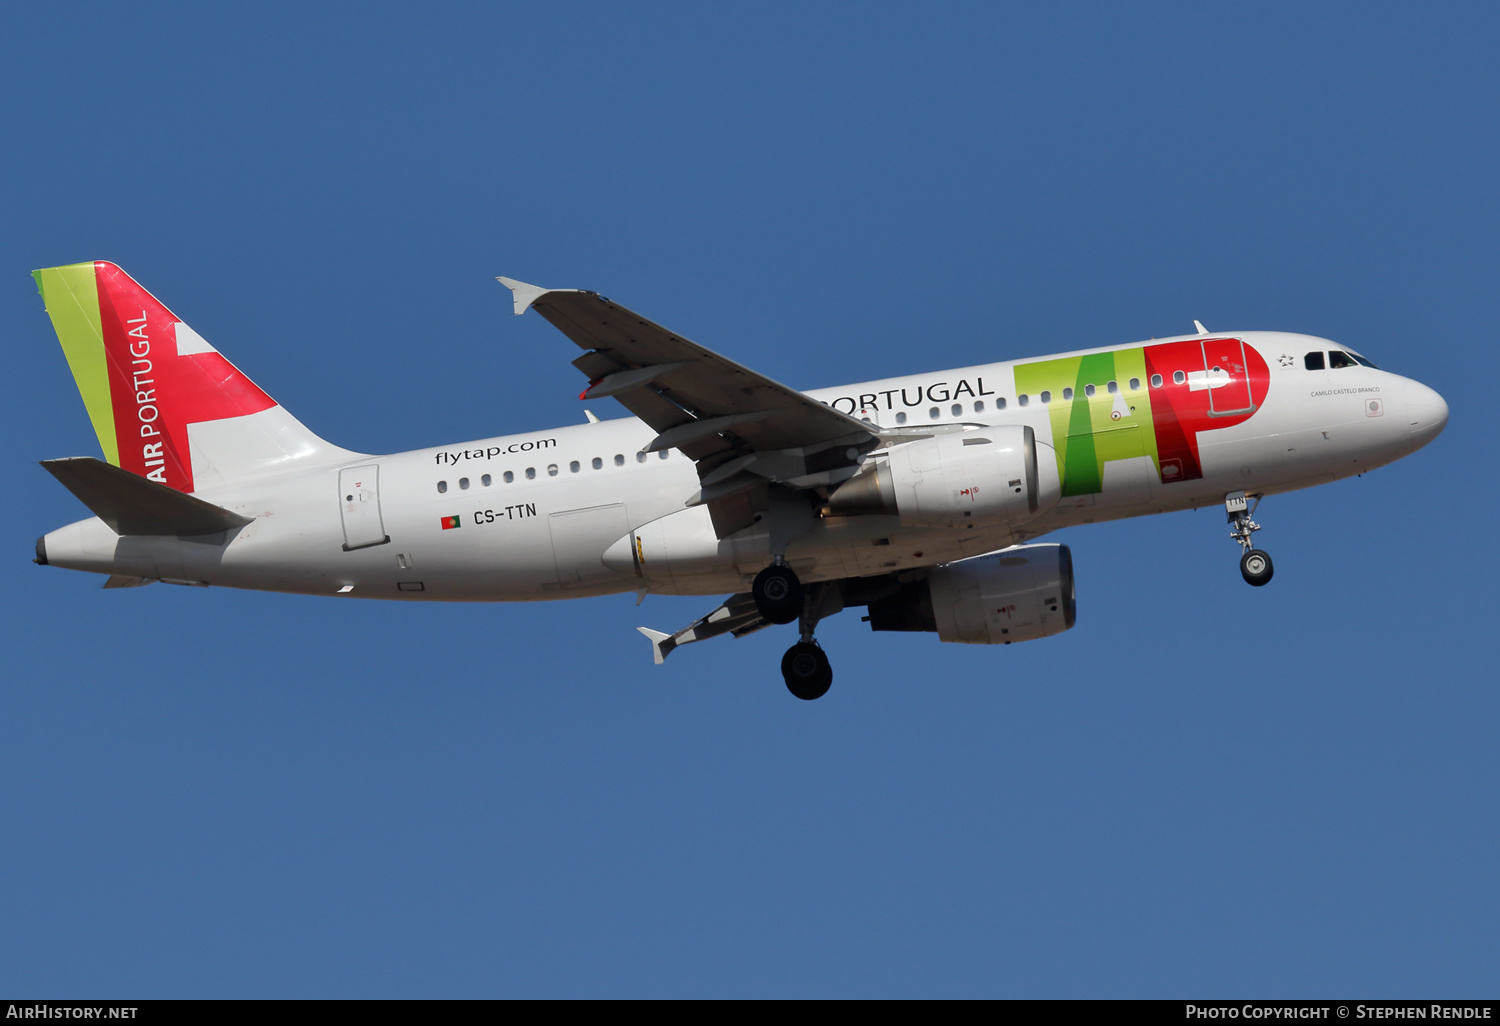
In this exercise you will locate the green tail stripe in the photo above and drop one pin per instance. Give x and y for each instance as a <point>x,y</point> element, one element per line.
<point>71,296</point>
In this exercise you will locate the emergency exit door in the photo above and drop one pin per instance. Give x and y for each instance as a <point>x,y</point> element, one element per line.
<point>359,501</point>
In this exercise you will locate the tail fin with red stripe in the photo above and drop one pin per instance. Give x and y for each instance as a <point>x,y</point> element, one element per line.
<point>163,402</point>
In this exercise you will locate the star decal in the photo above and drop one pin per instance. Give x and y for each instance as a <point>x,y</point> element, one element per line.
<point>1286,359</point>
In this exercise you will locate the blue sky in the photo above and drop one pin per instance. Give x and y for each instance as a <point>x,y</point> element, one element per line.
<point>1201,790</point>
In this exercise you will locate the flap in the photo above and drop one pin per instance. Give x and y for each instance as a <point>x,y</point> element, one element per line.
<point>131,504</point>
<point>737,615</point>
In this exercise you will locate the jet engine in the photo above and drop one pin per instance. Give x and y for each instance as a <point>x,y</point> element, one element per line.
<point>1016,594</point>
<point>993,475</point>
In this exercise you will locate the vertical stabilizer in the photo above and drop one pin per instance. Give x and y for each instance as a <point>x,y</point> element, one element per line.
<point>164,403</point>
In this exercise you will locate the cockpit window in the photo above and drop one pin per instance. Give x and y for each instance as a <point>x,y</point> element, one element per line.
<point>1363,362</point>
<point>1313,361</point>
<point>1337,359</point>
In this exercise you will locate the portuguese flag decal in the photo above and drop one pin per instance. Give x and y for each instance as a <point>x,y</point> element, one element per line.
<point>450,522</point>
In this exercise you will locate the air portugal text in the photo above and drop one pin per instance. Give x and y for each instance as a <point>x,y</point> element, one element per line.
<point>145,400</point>
<point>937,392</point>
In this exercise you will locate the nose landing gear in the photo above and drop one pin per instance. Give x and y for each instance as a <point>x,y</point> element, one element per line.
<point>1255,565</point>
<point>1256,568</point>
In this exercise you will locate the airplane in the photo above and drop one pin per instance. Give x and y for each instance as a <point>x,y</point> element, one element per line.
<point>917,497</point>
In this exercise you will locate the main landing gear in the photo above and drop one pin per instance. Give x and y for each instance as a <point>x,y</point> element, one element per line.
<point>781,598</point>
<point>806,669</point>
<point>778,593</point>
<point>1255,565</point>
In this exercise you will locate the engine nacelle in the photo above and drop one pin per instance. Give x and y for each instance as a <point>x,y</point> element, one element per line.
<point>1015,594</point>
<point>993,475</point>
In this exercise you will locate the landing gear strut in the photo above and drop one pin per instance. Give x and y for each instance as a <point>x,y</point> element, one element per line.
<point>1255,565</point>
<point>777,593</point>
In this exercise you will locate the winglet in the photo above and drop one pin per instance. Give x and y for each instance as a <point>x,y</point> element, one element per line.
<point>656,638</point>
<point>523,293</point>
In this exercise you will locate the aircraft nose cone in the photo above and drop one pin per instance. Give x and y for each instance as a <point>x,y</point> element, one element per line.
<point>1426,411</point>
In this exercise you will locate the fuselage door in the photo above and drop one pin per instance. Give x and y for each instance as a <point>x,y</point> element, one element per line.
<point>359,503</point>
<point>1226,375</point>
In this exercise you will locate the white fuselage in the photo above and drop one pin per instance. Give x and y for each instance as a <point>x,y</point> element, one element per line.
<point>538,512</point>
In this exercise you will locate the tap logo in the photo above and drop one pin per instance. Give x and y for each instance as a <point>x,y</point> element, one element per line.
<point>1149,401</point>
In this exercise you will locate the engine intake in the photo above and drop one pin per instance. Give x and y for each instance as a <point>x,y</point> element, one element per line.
<point>1000,474</point>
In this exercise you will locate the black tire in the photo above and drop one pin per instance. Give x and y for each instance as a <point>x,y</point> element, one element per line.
<point>1256,568</point>
<point>778,594</point>
<point>805,667</point>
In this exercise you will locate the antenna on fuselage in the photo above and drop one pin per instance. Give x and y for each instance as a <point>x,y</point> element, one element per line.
<point>1201,329</point>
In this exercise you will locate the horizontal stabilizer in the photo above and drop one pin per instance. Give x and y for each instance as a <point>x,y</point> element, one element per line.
<point>130,504</point>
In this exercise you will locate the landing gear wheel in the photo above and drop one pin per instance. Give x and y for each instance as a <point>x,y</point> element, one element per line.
<point>1256,568</point>
<point>778,594</point>
<point>806,670</point>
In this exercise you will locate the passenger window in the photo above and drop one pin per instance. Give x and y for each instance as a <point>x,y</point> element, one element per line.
<point>1023,399</point>
<point>598,463</point>
<point>640,457</point>
<point>1046,396</point>
<point>1337,360</point>
<point>934,413</point>
<point>442,487</point>
<point>958,409</point>
<point>1156,381</point>
<point>1313,361</point>
<point>1135,384</point>
<point>486,480</point>
<point>509,476</point>
<point>1067,393</point>
<point>979,406</point>
<point>619,459</point>
<point>530,473</point>
<point>1178,377</point>
<point>900,418</point>
<point>573,467</point>
<point>463,483</point>
<point>664,453</point>
<point>1089,390</point>
<point>1112,387</point>
<point>999,404</point>
<point>552,470</point>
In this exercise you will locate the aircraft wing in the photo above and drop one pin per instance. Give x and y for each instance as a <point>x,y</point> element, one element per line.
<point>744,430</point>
